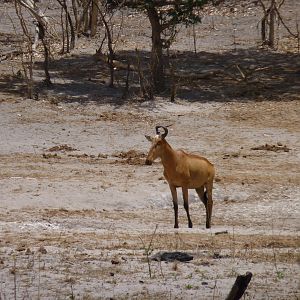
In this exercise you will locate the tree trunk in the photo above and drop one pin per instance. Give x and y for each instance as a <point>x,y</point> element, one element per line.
<point>239,287</point>
<point>264,29</point>
<point>75,13</point>
<point>85,16</point>
<point>69,20</point>
<point>111,54</point>
<point>94,17</point>
<point>157,61</point>
<point>67,26</point>
<point>27,60</point>
<point>46,63</point>
<point>272,25</point>
<point>42,23</point>
<point>62,30</point>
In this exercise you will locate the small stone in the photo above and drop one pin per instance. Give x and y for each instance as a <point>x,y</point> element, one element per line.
<point>217,255</point>
<point>115,262</point>
<point>28,251</point>
<point>21,248</point>
<point>42,250</point>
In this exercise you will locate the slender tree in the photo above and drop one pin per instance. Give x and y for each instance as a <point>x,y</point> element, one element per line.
<point>68,25</point>
<point>42,24</point>
<point>164,17</point>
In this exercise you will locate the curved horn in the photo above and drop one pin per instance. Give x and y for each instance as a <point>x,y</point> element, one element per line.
<point>164,134</point>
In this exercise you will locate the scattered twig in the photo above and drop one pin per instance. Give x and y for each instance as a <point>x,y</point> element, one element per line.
<point>221,232</point>
<point>15,276</point>
<point>233,244</point>
<point>148,250</point>
<point>241,72</point>
<point>194,39</point>
<point>215,286</point>
<point>39,275</point>
<point>126,89</point>
<point>146,89</point>
<point>173,87</point>
<point>298,34</point>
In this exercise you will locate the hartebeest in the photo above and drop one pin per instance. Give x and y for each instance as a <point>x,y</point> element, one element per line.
<point>181,169</point>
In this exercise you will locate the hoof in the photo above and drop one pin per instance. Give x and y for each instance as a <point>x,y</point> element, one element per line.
<point>176,226</point>
<point>190,225</point>
<point>148,162</point>
<point>208,226</point>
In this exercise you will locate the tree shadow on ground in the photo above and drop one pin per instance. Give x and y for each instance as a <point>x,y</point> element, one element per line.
<point>239,75</point>
<point>243,75</point>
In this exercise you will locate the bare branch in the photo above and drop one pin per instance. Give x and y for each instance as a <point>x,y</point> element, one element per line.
<point>284,25</point>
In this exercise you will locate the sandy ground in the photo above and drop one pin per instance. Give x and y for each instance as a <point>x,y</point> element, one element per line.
<point>94,205</point>
<point>80,212</point>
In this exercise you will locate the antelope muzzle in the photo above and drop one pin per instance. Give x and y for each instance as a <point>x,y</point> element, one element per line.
<point>148,162</point>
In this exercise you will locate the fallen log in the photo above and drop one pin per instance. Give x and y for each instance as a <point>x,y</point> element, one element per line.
<point>239,287</point>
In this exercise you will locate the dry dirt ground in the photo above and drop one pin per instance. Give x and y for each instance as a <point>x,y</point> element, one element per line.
<point>80,213</point>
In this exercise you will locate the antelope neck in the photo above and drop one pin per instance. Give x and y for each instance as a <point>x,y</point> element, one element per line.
<point>168,157</point>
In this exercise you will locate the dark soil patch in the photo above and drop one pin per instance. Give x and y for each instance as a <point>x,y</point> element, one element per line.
<point>64,148</point>
<point>276,148</point>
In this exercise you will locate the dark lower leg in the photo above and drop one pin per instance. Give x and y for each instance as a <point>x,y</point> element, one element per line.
<point>186,206</point>
<point>188,215</point>
<point>175,214</point>
<point>175,204</point>
<point>209,210</point>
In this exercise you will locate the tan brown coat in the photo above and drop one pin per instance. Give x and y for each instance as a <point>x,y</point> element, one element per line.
<point>181,169</point>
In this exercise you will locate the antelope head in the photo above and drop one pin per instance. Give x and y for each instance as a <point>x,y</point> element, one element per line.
<point>157,144</point>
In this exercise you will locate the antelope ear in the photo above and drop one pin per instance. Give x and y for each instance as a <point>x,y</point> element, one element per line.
<point>148,137</point>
